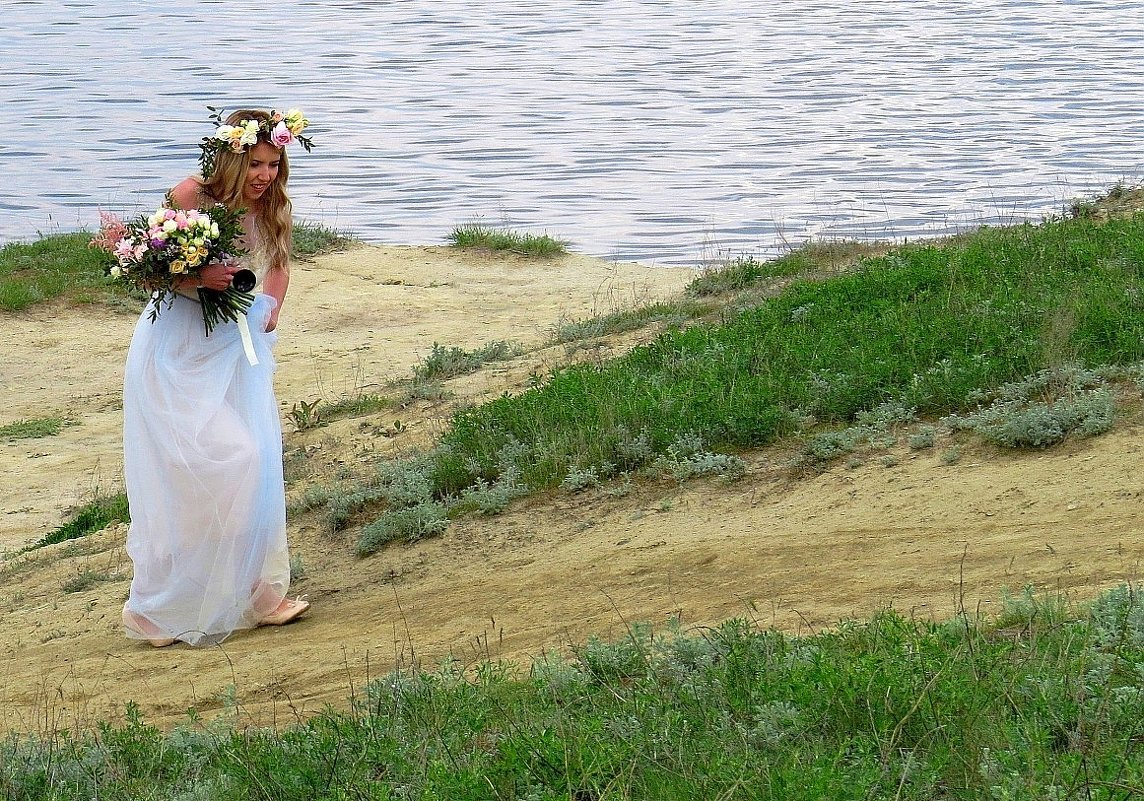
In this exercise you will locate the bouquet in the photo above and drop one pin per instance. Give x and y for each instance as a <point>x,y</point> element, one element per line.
<point>154,252</point>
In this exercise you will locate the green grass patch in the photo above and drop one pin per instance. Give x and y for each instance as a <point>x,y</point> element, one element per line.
<point>313,239</point>
<point>93,516</point>
<point>475,235</point>
<point>33,428</point>
<point>356,405</point>
<point>1048,706</point>
<point>51,267</point>
<point>934,328</point>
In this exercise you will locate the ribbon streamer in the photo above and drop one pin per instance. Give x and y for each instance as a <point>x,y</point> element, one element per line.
<point>247,342</point>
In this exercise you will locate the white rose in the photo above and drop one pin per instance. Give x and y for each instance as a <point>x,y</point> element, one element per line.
<point>170,225</point>
<point>249,132</point>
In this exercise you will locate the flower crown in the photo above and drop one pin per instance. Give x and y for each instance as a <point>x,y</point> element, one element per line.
<point>279,130</point>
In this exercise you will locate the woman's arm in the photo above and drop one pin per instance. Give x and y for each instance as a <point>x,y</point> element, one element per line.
<point>275,284</point>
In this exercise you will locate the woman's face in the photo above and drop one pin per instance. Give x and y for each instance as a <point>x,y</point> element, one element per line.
<point>262,171</point>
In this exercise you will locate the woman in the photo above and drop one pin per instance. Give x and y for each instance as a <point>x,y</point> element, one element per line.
<point>202,438</point>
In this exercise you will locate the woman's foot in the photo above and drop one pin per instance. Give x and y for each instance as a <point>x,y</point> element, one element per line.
<point>146,630</point>
<point>287,611</point>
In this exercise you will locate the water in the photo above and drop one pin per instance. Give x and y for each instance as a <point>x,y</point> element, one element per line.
<point>670,132</point>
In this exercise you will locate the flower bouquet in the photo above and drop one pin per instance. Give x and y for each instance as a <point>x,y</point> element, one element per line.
<point>156,251</point>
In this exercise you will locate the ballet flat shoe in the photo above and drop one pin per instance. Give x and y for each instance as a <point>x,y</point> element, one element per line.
<point>287,612</point>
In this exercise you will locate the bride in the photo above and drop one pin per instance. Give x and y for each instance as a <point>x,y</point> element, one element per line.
<point>201,432</point>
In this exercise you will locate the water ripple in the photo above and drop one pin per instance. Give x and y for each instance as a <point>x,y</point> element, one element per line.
<point>661,131</point>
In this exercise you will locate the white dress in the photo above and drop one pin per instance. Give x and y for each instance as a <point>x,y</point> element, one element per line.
<point>203,466</point>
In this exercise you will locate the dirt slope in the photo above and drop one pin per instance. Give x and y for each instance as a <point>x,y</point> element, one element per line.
<point>905,529</point>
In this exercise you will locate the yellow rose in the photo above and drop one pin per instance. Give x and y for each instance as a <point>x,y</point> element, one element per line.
<point>178,266</point>
<point>296,121</point>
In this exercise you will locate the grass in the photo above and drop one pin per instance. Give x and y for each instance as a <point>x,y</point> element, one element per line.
<point>95,515</point>
<point>475,235</point>
<point>62,265</point>
<point>1046,702</point>
<point>444,363</point>
<point>672,313</point>
<point>52,266</point>
<point>1005,332</point>
<point>934,328</point>
<point>313,239</point>
<point>33,428</point>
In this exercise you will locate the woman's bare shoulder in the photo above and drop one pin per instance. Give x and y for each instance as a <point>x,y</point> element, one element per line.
<point>188,193</point>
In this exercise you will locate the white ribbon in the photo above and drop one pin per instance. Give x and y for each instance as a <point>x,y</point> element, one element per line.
<point>247,342</point>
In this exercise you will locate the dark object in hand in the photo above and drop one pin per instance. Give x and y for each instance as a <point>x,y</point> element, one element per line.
<point>244,280</point>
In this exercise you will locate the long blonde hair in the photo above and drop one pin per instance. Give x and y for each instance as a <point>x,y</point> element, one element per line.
<point>225,184</point>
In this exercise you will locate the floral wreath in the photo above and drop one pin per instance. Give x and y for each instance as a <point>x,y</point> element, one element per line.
<point>280,130</point>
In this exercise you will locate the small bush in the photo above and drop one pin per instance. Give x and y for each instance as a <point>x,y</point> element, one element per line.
<point>1118,616</point>
<point>444,363</point>
<point>405,525</point>
<point>578,480</point>
<point>924,437</point>
<point>491,498</point>
<point>1019,416</point>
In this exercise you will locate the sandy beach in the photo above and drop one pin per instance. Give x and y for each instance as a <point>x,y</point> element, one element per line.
<point>798,552</point>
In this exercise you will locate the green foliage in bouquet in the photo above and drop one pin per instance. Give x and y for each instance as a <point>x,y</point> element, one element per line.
<point>158,251</point>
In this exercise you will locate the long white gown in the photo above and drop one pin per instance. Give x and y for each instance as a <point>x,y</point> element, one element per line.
<point>203,466</point>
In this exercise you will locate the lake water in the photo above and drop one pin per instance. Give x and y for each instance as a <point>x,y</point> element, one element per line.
<point>672,132</point>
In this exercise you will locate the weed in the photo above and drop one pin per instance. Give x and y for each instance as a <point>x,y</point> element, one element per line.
<point>84,580</point>
<point>50,267</point>
<point>579,480</point>
<point>884,708</point>
<point>921,328</point>
<point>420,389</point>
<point>671,313</point>
<point>305,415</point>
<point>444,363</point>
<point>297,567</point>
<point>924,437</point>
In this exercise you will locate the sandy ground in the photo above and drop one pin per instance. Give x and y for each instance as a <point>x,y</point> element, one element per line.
<point>905,529</point>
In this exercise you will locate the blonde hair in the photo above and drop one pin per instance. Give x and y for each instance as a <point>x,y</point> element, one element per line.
<point>225,184</point>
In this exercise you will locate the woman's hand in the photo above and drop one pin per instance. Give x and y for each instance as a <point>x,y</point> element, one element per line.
<point>217,275</point>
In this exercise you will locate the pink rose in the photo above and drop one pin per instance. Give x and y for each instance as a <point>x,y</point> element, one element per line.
<point>281,136</point>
